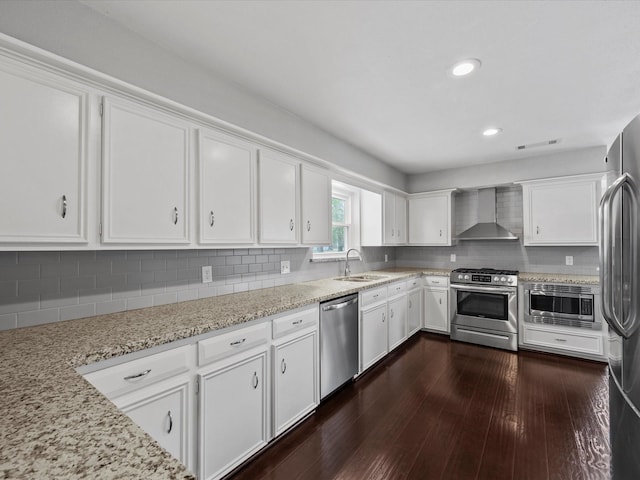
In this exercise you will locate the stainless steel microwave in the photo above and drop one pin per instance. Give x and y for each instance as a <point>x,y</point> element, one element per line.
<point>569,305</point>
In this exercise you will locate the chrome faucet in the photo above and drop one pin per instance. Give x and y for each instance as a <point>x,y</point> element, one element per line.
<point>347,268</point>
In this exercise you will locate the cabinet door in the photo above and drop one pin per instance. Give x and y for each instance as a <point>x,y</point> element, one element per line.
<point>429,220</point>
<point>278,198</point>
<point>389,218</point>
<point>397,321</point>
<point>316,207</point>
<point>295,380</point>
<point>414,312</point>
<point>44,157</point>
<point>227,201</point>
<point>164,416</point>
<point>562,213</point>
<point>145,175</point>
<point>401,220</point>
<point>373,334</point>
<point>233,415</point>
<point>436,310</point>
<point>370,219</point>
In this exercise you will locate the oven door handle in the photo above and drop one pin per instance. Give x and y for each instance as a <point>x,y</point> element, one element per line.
<point>508,290</point>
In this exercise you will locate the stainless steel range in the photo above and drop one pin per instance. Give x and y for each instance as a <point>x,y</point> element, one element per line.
<point>484,307</point>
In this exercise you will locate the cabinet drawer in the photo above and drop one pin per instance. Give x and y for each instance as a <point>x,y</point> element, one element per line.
<point>231,343</point>
<point>414,283</point>
<point>578,342</point>
<point>436,281</point>
<point>397,288</point>
<point>375,295</point>
<point>136,374</point>
<point>295,321</point>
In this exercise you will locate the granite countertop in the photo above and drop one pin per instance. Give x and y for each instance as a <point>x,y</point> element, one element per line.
<point>559,278</point>
<point>54,424</point>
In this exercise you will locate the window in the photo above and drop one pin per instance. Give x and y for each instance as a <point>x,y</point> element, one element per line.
<point>344,222</point>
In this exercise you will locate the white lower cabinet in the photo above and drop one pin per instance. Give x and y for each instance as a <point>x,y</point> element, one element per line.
<point>373,335</point>
<point>295,380</point>
<point>165,413</point>
<point>564,340</point>
<point>233,412</point>
<point>436,304</point>
<point>397,321</point>
<point>414,311</point>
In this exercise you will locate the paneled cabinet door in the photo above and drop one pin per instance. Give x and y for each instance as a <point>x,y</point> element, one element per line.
<point>436,310</point>
<point>278,198</point>
<point>227,186</point>
<point>233,414</point>
<point>397,321</point>
<point>43,128</point>
<point>145,174</point>
<point>316,207</point>
<point>561,212</point>
<point>394,218</point>
<point>295,380</point>
<point>401,220</point>
<point>414,311</point>
<point>373,335</point>
<point>430,220</point>
<point>165,417</point>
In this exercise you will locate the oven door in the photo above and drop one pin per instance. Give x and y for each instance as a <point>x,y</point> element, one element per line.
<point>489,308</point>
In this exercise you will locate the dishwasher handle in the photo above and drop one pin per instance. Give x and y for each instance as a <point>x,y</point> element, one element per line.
<point>338,306</point>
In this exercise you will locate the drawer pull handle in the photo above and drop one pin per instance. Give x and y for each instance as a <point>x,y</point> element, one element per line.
<point>440,301</point>
<point>237,342</point>
<point>410,304</point>
<point>435,281</point>
<point>212,218</point>
<point>383,319</point>
<point>135,376</point>
<point>560,339</point>
<point>255,380</point>
<point>64,206</point>
<point>170,421</point>
<point>175,215</point>
<point>297,322</point>
<point>375,296</point>
<point>308,226</point>
<point>291,224</point>
<point>391,316</point>
<point>283,366</point>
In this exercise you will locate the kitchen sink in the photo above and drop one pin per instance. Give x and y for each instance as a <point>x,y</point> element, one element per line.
<point>361,278</point>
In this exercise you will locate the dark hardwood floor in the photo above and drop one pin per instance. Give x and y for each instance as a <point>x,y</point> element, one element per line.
<point>440,409</point>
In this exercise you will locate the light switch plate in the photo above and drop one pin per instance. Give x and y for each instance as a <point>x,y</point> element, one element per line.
<point>285,266</point>
<point>207,274</point>
<point>568,260</point>
<point>453,257</point>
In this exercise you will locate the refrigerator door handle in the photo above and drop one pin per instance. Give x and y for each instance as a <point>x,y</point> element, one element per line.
<point>627,327</point>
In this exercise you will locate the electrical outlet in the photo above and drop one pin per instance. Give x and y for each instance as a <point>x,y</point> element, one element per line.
<point>386,257</point>
<point>207,274</point>
<point>453,257</point>
<point>285,267</point>
<point>568,260</point>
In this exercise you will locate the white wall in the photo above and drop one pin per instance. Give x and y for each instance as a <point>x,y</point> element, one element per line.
<point>78,33</point>
<point>586,160</point>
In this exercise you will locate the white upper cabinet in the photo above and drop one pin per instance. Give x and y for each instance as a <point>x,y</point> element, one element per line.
<point>316,207</point>
<point>43,125</point>
<point>394,219</point>
<point>430,218</point>
<point>227,184</point>
<point>561,211</point>
<point>278,198</point>
<point>145,175</point>
<point>370,219</point>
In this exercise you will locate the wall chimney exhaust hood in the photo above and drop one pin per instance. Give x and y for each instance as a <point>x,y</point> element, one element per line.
<point>487,228</point>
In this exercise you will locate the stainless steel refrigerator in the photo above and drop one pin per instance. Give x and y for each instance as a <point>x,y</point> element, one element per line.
<point>619,265</point>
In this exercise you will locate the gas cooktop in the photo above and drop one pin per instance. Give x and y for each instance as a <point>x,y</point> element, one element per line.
<point>484,276</point>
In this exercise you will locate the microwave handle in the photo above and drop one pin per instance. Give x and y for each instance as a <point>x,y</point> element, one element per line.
<point>623,183</point>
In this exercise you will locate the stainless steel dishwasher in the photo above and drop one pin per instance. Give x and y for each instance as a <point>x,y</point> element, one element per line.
<point>338,343</point>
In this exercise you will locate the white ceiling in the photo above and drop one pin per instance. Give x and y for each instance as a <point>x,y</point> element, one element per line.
<point>374,73</point>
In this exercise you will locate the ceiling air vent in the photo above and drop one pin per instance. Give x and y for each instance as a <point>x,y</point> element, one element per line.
<point>539,144</point>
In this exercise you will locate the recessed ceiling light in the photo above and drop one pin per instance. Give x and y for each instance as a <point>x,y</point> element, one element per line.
<point>490,132</point>
<point>465,67</point>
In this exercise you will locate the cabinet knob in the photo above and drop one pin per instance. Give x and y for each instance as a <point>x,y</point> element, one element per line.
<point>170,421</point>
<point>212,219</point>
<point>175,215</point>
<point>291,224</point>
<point>64,206</point>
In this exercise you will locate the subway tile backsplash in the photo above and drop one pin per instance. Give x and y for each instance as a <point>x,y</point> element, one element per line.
<point>44,287</point>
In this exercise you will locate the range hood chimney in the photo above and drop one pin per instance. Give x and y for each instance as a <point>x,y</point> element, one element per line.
<point>487,228</point>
